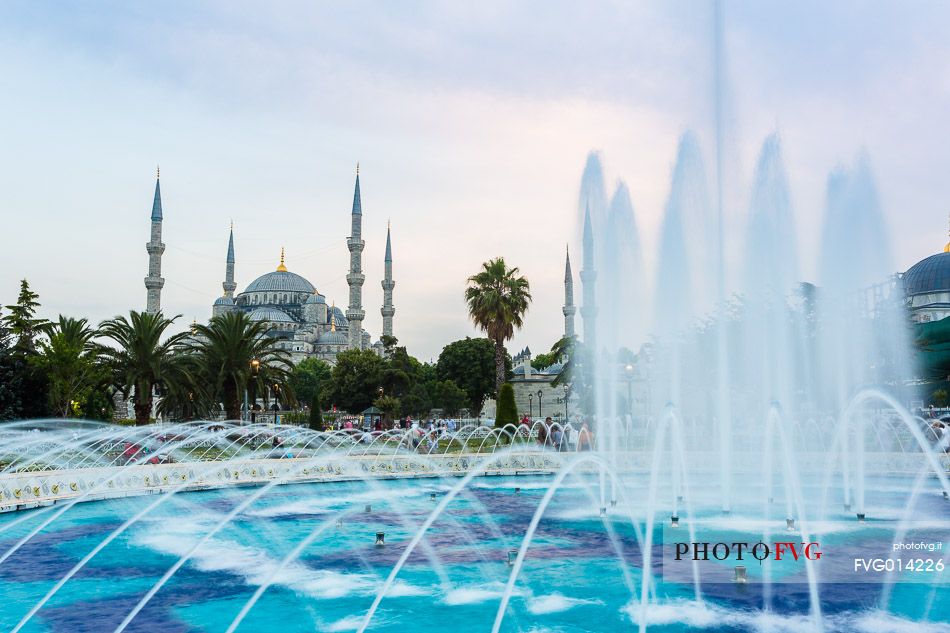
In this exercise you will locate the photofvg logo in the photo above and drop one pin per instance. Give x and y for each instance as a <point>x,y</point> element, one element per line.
<point>725,551</point>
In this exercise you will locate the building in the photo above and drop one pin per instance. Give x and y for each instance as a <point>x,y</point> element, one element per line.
<point>297,315</point>
<point>927,288</point>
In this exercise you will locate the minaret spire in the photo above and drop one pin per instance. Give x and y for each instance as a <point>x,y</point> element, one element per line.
<point>588,279</point>
<point>946,249</point>
<point>355,278</point>
<point>280,267</point>
<point>569,310</point>
<point>229,285</point>
<point>388,284</point>
<point>154,281</point>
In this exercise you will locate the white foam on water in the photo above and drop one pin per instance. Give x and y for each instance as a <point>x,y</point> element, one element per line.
<point>881,622</point>
<point>555,603</point>
<point>476,594</point>
<point>698,615</point>
<point>256,566</point>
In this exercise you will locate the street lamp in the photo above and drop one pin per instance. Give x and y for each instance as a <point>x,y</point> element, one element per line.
<point>540,393</point>
<point>276,389</point>
<point>567,393</point>
<point>255,370</point>
<point>628,372</point>
<point>530,404</point>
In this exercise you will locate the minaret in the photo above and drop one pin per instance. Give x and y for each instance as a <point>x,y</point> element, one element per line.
<point>355,278</point>
<point>588,279</point>
<point>155,248</point>
<point>569,310</point>
<point>388,284</point>
<point>229,285</point>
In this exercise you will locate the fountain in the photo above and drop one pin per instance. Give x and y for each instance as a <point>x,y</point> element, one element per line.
<point>759,398</point>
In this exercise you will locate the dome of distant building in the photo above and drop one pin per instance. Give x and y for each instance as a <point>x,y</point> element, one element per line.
<point>280,281</point>
<point>928,275</point>
<point>316,298</point>
<point>927,288</point>
<point>333,337</point>
<point>270,314</point>
<point>224,301</point>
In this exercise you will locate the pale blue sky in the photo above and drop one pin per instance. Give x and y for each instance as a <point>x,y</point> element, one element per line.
<point>466,118</point>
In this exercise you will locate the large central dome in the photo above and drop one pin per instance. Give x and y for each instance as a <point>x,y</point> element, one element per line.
<point>280,281</point>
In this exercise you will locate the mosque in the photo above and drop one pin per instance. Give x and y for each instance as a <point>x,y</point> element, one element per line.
<point>927,288</point>
<point>295,312</point>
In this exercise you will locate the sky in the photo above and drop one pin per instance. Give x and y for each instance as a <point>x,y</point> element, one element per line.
<point>471,122</point>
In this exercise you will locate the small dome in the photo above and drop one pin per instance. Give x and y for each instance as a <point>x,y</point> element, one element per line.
<point>224,301</point>
<point>333,337</point>
<point>339,318</point>
<point>270,314</point>
<point>928,275</point>
<point>280,281</point>
<point>315,298</point>
<point>554,370</point>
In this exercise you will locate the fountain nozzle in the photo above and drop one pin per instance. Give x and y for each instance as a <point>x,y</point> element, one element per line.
<point>847,507</point>
<point>517,490</point>
<point>674,521</point>
<point>790,525</point>
<point>613,503</point>
<point>380,538</point>
<point>861,517</point>
<point>512,556</point>
<point>726,513</point>
<point>945,495</point>
<point>603,511</point>
<point>369,508</point>
<point>679,498</point>
<point>741,575</point>
<point>432,496</point>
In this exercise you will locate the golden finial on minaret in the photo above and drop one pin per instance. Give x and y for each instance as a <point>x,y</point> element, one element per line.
<point>158,172</point>
<point>333,317</point>
<point>946,249</point>
<point>281,268</point>
<point>357,168</point>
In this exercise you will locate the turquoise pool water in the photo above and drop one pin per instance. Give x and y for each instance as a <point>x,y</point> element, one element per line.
<point>572,579</point>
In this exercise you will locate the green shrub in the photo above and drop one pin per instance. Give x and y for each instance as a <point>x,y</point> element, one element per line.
<point>505,411</point>
<point>316,416</point>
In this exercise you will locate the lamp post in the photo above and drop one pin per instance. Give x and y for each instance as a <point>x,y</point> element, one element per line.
<point>540,393</point>
<point>567,394</point>
<point>255,370</point>
<point>530,404</point>
<point>628,374</point>
<point>276,389</point>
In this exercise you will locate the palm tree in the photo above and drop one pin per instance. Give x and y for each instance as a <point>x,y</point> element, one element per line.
<point>497,299</point>
<point>143,362</point>
<point>225,349</point>
<point>70,360</point>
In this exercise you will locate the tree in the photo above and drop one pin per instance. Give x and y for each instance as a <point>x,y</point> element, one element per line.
<point>316,416</point>
<point>576,373</point>
<point>543,361</point>
<point>506,412</point>
<point>308,378</point>
<point>450,397</point>
<point>225,349</point>
<point>355,380</point>
<point>418,402</point>
<point>21,323</point>
<point>939,397</point>
<point>497,299</point>
<point>143,361</point>
<point>389,405</point>
<point>470,364</point>
<point>71,363</point>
